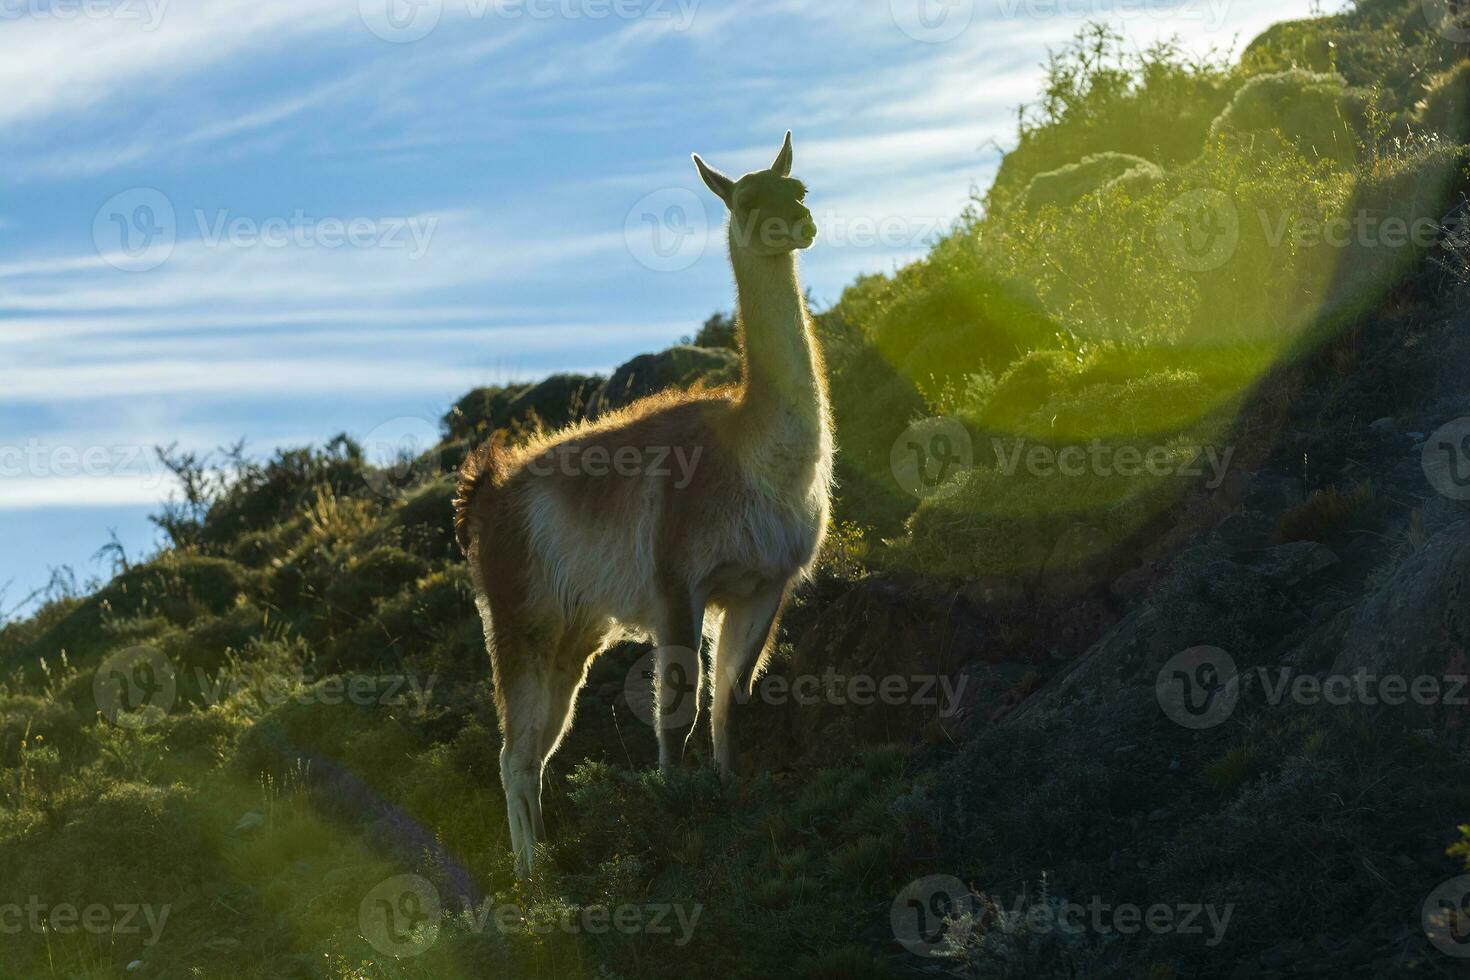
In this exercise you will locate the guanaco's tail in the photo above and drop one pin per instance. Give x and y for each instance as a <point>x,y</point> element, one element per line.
<point>485,464</point>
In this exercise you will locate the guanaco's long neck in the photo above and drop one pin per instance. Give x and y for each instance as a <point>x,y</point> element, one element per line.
<point>784,388</point>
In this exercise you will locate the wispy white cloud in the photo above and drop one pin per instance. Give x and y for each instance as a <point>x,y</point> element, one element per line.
<point>82,492</point>
<point>456,249</point>
<point>50,65</point>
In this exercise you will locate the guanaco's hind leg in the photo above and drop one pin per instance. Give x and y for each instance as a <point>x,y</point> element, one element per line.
<point>748,626</point>
<point>677,677</point>
<point>537,685</point>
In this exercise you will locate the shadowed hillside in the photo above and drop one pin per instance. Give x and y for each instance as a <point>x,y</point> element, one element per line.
<point>1152,486</point>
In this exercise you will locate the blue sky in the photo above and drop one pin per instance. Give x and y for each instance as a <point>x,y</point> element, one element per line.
<point>282,219</point>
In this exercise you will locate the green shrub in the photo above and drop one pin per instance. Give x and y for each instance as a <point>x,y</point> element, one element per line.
<point>263,496</point>
<point>1327,513</point>
<point>1445,108</point>
<point>1066,185</point>
<point>1314,112</point>
<point>407,624</point>
<point>718,331</point>
<point>384,571</point>
<point>426,519</point>
<point>1461,849</point>
<point>178,586</point>
<point>1101,96</point>
<point>481,412</point>
<point>947,315</point>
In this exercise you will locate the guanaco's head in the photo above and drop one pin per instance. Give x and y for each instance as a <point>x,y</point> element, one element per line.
<point>767,213</point>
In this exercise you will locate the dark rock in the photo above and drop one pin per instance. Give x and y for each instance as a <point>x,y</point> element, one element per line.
<point>929,649</point>
<point>1205,599</point>
<point>1243,531</point>
<point>1291,563</point>
<point>1415,626</point>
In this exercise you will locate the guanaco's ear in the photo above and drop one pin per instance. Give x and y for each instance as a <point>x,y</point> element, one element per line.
<point>782,165</point>
<point>723,186</point>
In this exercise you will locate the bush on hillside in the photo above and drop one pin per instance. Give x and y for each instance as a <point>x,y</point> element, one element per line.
<point>481,412</point>
<point>720,330</point>
<point>1445,108</point>
<point>1103,97</point>
<point>179,588</point>
<point>1316,113</point>
<point>947,315</point>
<point>1388,45</point>
<point>262,496</point>
<point>679,367</point>
<point>1066,185</point>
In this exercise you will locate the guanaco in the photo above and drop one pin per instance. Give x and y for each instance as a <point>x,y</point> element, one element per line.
<point>575,540</point>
